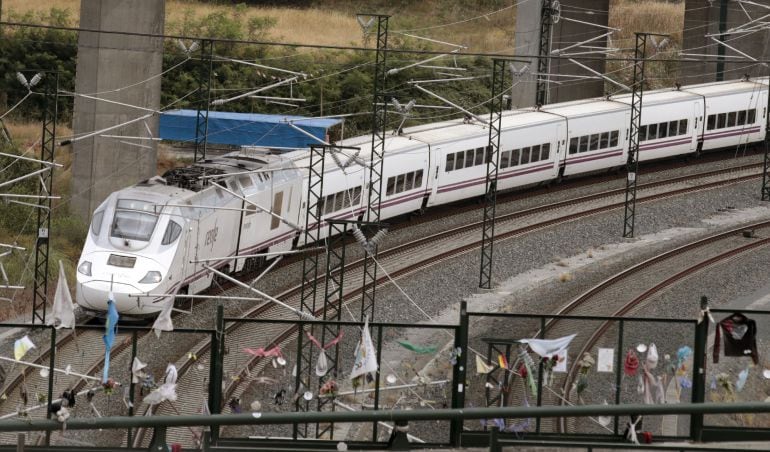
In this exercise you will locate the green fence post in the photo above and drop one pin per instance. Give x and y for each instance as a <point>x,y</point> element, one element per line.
<point>458,375</point>
<point>699,369</point>
<point>51,366</point>
<point>217,357</point>
<point>132,387</point>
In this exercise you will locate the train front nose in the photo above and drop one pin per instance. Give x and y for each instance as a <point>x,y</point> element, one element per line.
<point>98,275</point>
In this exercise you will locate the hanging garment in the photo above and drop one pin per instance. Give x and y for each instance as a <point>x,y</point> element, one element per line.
<point>740,334</point>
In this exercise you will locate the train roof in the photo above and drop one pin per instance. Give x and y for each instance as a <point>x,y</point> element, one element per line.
<point>659,97</point>
<point>724,88</point>
<point>587,107</point>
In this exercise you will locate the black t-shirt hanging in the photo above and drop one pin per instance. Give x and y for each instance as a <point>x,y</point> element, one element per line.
<point>740,337</point>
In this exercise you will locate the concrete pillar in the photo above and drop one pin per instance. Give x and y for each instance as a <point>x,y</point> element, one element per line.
<point>106,63</point>
<point>564,34</point>
<point>702,17</point>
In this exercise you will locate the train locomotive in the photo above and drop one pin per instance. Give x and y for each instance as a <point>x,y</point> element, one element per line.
<point>157,236</point>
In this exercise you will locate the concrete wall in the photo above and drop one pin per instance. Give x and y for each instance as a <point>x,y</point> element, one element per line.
<point>701,18</point>
<point>565,33</point>
<point>108,62</point>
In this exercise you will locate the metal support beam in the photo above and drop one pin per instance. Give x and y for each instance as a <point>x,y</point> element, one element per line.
<point>543,62</point>
<point>48,145</point>
<point>308,292</point>
<point>632,165</point>
<point>376,163</point>
<point>766,167</point>
<point>204,100</point>
<point>335,277</point>
<point>492,155</point>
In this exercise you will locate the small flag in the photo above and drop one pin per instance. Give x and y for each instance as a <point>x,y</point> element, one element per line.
<point>110,331</point>
<point>502,361</point>
<point>419,349</point>
<point>366,356</point>
<point>63,315</point>
<point>482,367</point>
<point>22,346</point>
<point>163,322</point>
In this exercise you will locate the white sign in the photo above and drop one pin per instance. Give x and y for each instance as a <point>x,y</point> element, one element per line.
<point>606,359</point>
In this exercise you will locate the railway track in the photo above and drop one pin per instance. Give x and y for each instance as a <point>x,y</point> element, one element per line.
<point>604,299</point>
<point>68,348</point>
<point>436,248</point>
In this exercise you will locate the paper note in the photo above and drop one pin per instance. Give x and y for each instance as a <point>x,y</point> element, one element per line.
<point>606,359</point>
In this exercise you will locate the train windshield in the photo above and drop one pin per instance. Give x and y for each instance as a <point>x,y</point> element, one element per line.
<point>134,220</point>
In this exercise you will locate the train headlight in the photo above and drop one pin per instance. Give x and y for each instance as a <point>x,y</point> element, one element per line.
<point>151,277</point>
<point>85,268</point>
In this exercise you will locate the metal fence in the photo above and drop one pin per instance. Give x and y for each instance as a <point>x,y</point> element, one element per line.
<point>234,369</point>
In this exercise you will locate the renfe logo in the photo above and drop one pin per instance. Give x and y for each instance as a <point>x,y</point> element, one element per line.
<point>211,236</point>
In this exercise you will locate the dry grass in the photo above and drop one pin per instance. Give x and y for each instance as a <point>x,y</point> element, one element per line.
<point>646,15</point>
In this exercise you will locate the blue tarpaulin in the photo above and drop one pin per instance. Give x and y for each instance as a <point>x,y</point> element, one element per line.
<point>246,129</point>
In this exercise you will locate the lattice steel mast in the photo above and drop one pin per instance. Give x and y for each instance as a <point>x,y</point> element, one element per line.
<point>45,191</point>
<point>632,164</point>
<point>492,153</point>
<point>543,62</point>
<point>309,275</point>
<point>766,167</point>
<point>379,122</point>
<point>204,100</point>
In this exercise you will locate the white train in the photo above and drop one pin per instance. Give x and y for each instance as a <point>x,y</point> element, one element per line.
<point>153,237</point>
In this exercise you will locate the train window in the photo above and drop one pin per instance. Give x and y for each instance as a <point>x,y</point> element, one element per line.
<point>134,220</point>
<point>409,182</point>
<point>400,183</point>
<point>357,195</point>
<point>460,161</point>
<point>741,118</point>
<point>469,158</point>
<point>525,156</point>
<point>329,205</point>
<point>573,145</point>
<point>277,208</point>
<point>663,130</point>
<point>479,156</point>
<point>731,119</point>
<point>712,122</point>
<point>604,140</point>
<point>96,222</point>
<point>245,181</point>
<point>339,201</point>
<point>535,154</point>
<point>752,116</point>
<point>417,179</point>
<point>614,138</point>
<point>673,128</point>
<point>515,157</point>
<point>450,162</point>
<point>721,120</point>
<point>594,142</point>
<point>682,126</point>
<point>391,187</point>
<point>172,233</point>
<point>505,159</point>
<point>583,143</point>
<point>642,133</point>
<point>546,152</point>
<point>251,209</point>
<point>652,131</point>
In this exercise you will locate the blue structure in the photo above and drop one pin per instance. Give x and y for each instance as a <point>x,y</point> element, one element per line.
<point>246,129</point>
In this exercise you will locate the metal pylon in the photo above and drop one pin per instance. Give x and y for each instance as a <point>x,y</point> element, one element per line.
<point>45,191</point>
<point>313,215</point>
<point>492,156</point>
<point>543,62</point>
<point>335,277</point>
<point>376,164</point>
<point>632,165</point>
<point>204,100</point>
<point>766,167</point>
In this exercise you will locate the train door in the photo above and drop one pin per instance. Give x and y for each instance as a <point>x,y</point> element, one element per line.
<point>697,123</point>
<point>433,173</point>
<point>561,148</point>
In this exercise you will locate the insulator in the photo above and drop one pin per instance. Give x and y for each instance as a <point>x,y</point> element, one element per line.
<point>378,237</point>
<point>193,47</point>
<point>359,236</point>
<point>181,45</point>
<point>35,79</point>
<point>336,159</point>
<point>23,80</point>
